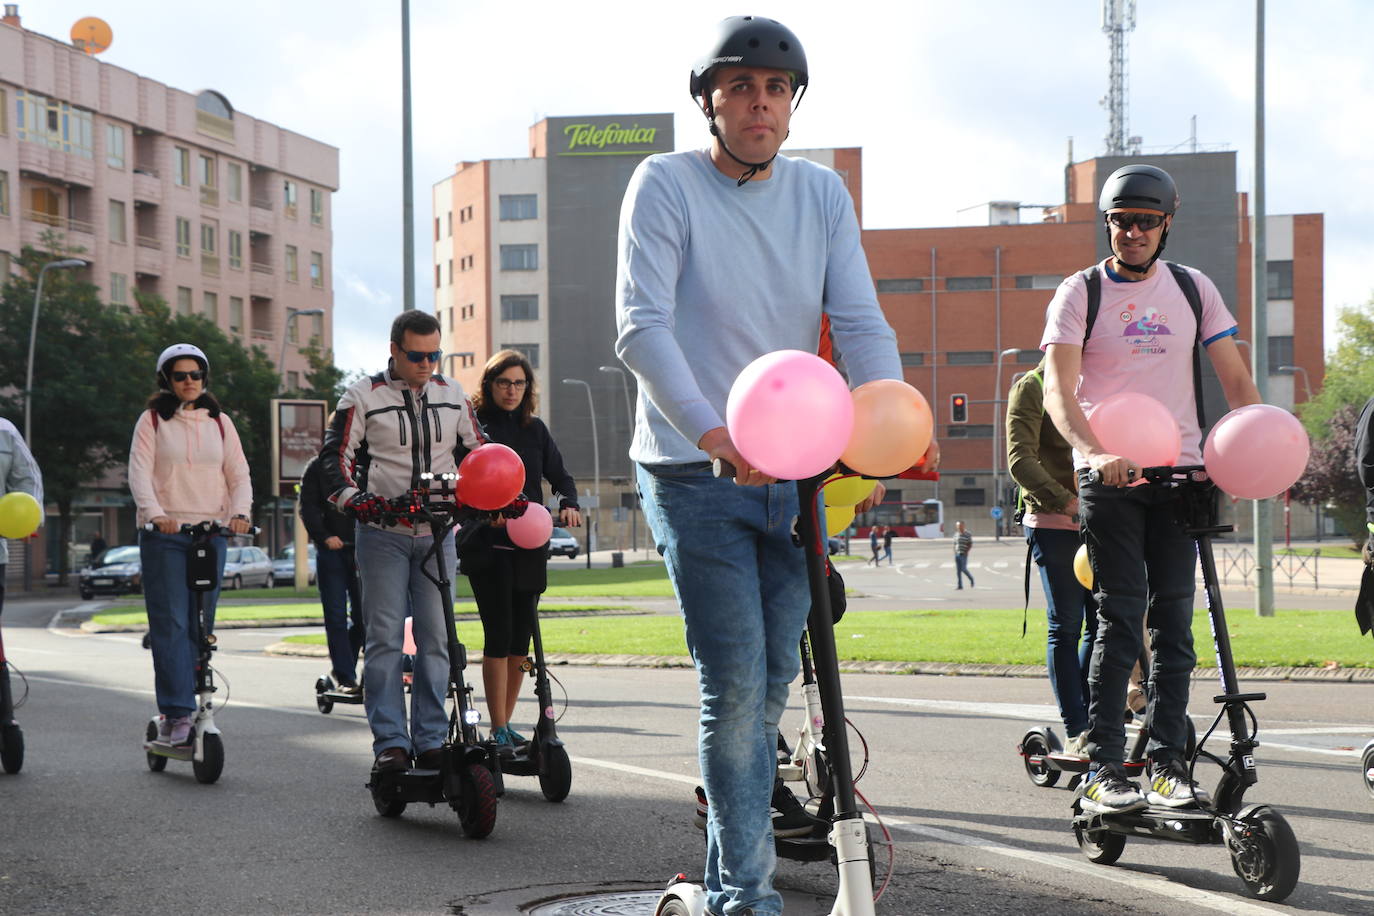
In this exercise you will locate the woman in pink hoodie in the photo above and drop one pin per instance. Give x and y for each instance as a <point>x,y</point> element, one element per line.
<point>186,465</point>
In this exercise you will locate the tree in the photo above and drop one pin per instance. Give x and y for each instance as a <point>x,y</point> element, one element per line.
<point>1330,477</point>
<point>85,378</point>
<point>325,381</point>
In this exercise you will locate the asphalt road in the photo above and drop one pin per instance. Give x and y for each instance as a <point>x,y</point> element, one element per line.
<point>289,828</point>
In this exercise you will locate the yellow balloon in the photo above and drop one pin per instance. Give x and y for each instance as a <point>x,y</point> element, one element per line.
<point>1082,568</point>
<point>838,518</point>
<point>19,515</point>
<point>847,491</point>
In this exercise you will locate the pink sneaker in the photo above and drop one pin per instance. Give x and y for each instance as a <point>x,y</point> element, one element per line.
<point>179,729</point>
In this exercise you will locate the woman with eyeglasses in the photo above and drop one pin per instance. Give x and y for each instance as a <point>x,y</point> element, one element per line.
<point>186,465</point>
<point>507,580</point>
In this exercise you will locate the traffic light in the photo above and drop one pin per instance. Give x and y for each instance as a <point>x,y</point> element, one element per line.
<point>958,408</point>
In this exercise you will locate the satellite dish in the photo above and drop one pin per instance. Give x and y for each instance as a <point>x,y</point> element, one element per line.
<point>92,35</point>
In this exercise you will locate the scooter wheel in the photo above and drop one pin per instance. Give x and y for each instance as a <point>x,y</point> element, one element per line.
<point>211,764</point>
<point>1269,861</point>
<point>1040,773</point>
<point>816,773</point>
<point>323,703</point>
<point>477,806</point>
<point>1368,764</point>
<point>156,762</point>
<point>674,907</point>
<point>555,777</point>
<point>12,752</point>
<point>1102,847</point>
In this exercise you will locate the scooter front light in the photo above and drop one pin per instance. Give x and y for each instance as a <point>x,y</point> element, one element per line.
<point>472,717</point>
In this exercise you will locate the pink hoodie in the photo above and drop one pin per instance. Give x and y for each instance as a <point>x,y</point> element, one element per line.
<point>185,469</point>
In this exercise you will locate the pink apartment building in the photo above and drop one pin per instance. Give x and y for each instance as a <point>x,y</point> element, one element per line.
<point>169,192</point>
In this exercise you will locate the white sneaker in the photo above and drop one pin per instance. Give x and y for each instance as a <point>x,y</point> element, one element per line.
<point>1075,746</point>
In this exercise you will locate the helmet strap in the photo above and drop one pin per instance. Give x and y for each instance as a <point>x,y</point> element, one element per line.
<point>1142,269</point>
<point>751,168</point>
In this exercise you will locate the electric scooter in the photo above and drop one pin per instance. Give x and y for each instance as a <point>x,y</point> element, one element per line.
<point>1264,851</point>
<point>205,748</point>
<point>466,777</point>
<point>1366,764</point>
<point>544,756</point>
<point>11,737</point>
<point>847,838</point>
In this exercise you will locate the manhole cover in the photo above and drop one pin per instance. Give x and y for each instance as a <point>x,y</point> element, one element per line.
<point>625,903</point>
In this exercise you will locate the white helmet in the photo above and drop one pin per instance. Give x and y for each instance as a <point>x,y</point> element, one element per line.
<point>180,351</point>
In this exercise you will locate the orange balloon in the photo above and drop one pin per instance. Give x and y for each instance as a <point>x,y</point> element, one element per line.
<point>892,428</point>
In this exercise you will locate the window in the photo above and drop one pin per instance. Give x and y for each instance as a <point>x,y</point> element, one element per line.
<point>450,319</point>
<point>182,162</point>
<point>519,206</point>
<point>519,257</point>
<point>208,233</point>
<point>118,222</point>
<point>119,289</point>
<point>970,496</point>
<point>469,311</point>
<point>968,431</point>
<point>236,249</point>
<point>438,276</point>
<point>316,207</point>
<point>519,308</point>
<point>288,197</point>
<point>316,329</point>
<point>964,284</point>
<point>1280,352</point>
<point>450,271</point>
<point>183,300</point>
<point>1280,280</point>
<point>208,173</point>
<point>293,381</point>
<point>4,112</point>
<point>293,330</point>
<point>913,359</point>
<point>530,350</point>
<point>114,146</point>
<point>235,182</point>
<point>4,196</point>
<point>436,228</point>
<point>291,272</point>
<point>1038,281</point>
<point>183,237</point>
<point>450,224</point>
<point>210,302</point>
<point>317,270</point>
<point>54,124</point>
<point>1029,357</point>
<point>236,314</point>
<point>905,285</point>
<point>968,358</point>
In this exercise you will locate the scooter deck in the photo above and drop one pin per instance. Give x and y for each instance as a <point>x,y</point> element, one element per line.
<point>170,751</point>
<point>354,699</point>
<point>1180,825</point>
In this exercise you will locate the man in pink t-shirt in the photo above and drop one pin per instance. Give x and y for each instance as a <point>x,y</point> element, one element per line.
<point>1142,340</point>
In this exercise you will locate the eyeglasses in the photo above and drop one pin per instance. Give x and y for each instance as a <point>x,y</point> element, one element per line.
<point>419,356</point>
<point>1142,221</point>
<point>194,375</point>
<point>509,384</point>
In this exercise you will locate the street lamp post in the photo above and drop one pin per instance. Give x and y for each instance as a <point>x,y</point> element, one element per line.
<point>997,412</point>
<point>630,431</point>
<point>61,264</point>
<point>291,315</point>
<point>1294,370</point>
<point>596,465</point>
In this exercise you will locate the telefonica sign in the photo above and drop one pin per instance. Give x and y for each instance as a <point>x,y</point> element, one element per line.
<point>609,139</point>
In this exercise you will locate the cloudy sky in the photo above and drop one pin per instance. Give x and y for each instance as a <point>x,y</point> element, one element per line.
<point>954,104</point>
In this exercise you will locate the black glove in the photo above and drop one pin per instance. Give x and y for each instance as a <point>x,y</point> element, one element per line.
<point>366,507</point>
<point>516,508</point>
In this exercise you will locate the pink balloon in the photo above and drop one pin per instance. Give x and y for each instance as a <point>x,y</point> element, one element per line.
<point>1256,452</point>
<point>790,414</point>
<point>1138,427</point>
<point>532,528</point>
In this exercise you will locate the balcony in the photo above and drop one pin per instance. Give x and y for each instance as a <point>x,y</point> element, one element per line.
<point>53,163</point>
<point>209,264</point>
<point>209,196</point>
<point>147,185</point>
<point>37,222</point>
<point>262,334</point>
<point>262,281</point>
<point>260,216</point>
<point>148,256</point>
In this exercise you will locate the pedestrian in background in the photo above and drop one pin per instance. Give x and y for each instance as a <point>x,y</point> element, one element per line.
<point>963,543</point>
<point>336,573</point>
<point>887,544</point>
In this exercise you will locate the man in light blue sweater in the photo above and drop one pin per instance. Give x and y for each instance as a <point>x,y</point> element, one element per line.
<point>726,254</point>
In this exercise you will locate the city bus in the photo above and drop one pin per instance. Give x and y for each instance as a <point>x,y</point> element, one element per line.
<point>922,519</point>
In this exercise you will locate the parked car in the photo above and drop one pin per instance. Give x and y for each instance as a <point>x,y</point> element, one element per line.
<point>117,571</point>
<point>836,545</point>
<point>247,566</point>
<point>563,544</point>
<point>284,566</point>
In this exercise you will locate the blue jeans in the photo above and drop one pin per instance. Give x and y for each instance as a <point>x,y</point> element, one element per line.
<point>1143,563</point>
<point>1068,605</point>
<point>961,570</point>
<point>392,588</point>
<point>171,615</point>
<point>743,591</point>
<point>336,571</point>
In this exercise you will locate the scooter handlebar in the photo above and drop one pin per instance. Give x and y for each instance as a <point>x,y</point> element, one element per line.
<point>211,528</point>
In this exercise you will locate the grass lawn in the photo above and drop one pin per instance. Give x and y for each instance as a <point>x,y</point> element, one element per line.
<point>1335,550</point>
<point>134,614</point>
<point>1290,638</point>
<point>647,579</point>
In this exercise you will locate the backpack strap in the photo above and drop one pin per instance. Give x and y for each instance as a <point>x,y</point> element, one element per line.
<point>1185,283</point>
<point>1093,276</point>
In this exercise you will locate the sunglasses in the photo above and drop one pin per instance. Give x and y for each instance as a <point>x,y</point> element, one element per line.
<point>509,384</point>
<point>1142,221</point>
<point>194,375</point>
<point>419,356</point>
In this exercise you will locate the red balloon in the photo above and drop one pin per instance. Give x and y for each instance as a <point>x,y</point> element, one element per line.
<point>490,477</point>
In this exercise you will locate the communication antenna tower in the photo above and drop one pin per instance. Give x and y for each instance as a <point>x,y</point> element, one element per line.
<point>1118,18</point>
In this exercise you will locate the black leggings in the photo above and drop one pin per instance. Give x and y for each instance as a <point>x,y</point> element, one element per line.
<point>507,613</point>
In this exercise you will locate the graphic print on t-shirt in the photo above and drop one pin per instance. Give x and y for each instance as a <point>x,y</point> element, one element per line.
<point>1145,326</point>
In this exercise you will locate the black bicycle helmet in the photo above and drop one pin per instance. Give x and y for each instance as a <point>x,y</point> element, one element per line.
<point>748,41</point>
<point>1139,187</point>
